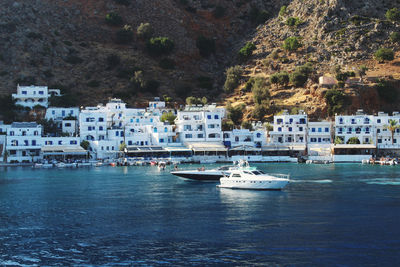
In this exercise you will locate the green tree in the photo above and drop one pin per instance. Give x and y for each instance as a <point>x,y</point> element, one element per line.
<point>283,11</point>
<point>274,78</point>
<point>335,100</point>
<point>298,79</point>
<point>293,21</point>
<point>85,144</point>
<point>260,90</point>
<point>122,147</point>
<point>233,75</point>
<point>259,111</point>
<point>246,51</point>
<point>353,141</point>
<point>158,46</point>
<point>145,31</point>
<point>235,113</point>
<point>227,125</point>
<point>291,44</point>
<point>169,117</point>
<point>393,14</point>
<point>362,71</point>
<point>247,125</point>
<point>205,45</point>
<point>283,78</point>
<point>392,127</point>
<point>384,54</point>
<point>338,140</point>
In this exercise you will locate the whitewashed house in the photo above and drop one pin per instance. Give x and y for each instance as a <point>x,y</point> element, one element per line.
<point>319,140</point>
<point>200,123</point>
<point>24,142</point>
<point>93,124</point>
<point>65,118</point>
<point>30,96</point>
<point>360,126</point>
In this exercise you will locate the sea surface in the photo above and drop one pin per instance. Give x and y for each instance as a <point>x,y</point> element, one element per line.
<point>329,215</point>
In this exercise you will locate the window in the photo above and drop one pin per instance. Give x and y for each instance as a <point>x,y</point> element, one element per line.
<point>394,140</point>
<point>26,142</point>
<point>313,140</point>
<point>101,128</point>
<point>73,142</point>
<point>23,133</point>
<point>116,133</point>
<point>313,130</point>
<point>67,124</point>
<point>63,113</point>
<point>379,141</point>
<point>236,175</point>
<point>326,129</point>
<point>258,135</point>
<point>24,92</point>
<point>378,120</point>
<point>300,129</point>
<point>60,142</point>
<point>213,135</point>
<point>11,133</point>
<point>155,129</point>
<point>33,142</point>
<point>216,117</point>
<point>378,130</point>
<point>279,129</point>
<point>188,135</point>
<point>209,117</point>
<point>290,120</point>
<point>137,120</point>
<point>165,129</point>
<point>319,130</point>
<point>279,121</point>
<point>49,143</point>
<point>151,120</point>
<point>290,129</point>
<point>279,139</point>
<point>319,139</point>
<point>101,119</point>
<point>200,136</point>
<point>303,121</point>
<point>161,140</point>
<point>236,139</point>
<point>53,112</point>
<point>41,92</point>
<point>211,126</point>
<point>129,143</point>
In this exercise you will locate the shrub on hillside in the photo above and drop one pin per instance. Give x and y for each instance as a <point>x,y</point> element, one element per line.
<point>260,90</point>
<point>145,31</point>
<point>293,21</point>
<point>247,125</point>
<point>259,111</point>
<point>233,75</point>
<point>395,37</point>
<point>205,45</point>
<point>114,19</point>
<point>246,51</point>
<point>158,46</point>
<point>112,61</point>
<point>291,44</point>
<point>393,14</point>
<point>283,11</point>
<point>384,54</point>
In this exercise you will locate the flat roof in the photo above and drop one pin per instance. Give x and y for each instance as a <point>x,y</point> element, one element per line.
<point>73,149</point>
<point>359,146</point>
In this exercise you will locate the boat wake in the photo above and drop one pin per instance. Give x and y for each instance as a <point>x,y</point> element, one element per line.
<point>326,181</point>
<point>383,181</point>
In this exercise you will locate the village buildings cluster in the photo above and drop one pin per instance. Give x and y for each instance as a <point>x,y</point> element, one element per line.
<point>113,130</point>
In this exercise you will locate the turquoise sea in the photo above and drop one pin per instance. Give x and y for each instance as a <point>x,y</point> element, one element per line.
<point>329,215</point>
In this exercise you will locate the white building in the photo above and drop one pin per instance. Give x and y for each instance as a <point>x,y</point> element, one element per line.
<point>360,126</point>
<point>289,129</point>
<point>30,96</point>
<point>319,140</point>
<point>65,118</point>
<point>24,142</point>
<point>200,123</point>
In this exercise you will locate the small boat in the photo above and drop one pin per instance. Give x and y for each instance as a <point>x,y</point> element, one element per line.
<point>153,163</point>
<point>161,165</point>
<point>61,165</point>
<point>201,174</point>
<point>246,177</point>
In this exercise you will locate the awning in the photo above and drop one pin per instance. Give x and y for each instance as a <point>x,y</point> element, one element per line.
<point>145,149</point>
<point>275,148</point>
<point>245,148</point>
<point>178,149</point>
<point>63,150</point>
<point>199,147</point>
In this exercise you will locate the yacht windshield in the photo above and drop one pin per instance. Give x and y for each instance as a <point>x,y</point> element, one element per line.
<point>258,172</point>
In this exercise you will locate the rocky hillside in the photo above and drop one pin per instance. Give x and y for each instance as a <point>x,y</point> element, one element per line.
<point>332,33</point>
<point>69,44</point>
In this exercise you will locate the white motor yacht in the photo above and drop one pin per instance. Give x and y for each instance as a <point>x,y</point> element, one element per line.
<point>246,177</point>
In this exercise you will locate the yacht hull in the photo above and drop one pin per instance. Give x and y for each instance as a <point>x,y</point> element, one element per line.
<point>253,184</point>
<point>199,175</point>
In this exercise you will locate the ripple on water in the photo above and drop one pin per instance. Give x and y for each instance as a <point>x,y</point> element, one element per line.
<point>326,181</point>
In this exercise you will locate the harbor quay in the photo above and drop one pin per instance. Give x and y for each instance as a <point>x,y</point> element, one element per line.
<point>191,133</point>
